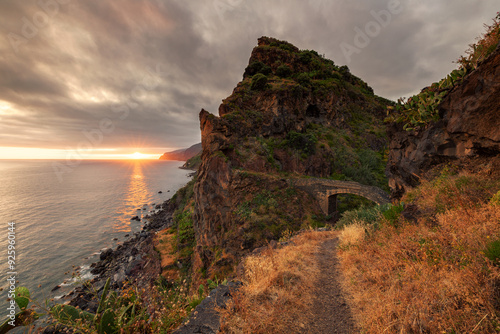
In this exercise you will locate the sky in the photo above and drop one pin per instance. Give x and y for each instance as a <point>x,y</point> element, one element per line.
<point>105,79</point>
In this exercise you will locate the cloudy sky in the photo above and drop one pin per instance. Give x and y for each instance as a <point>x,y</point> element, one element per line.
<point>104,78</point>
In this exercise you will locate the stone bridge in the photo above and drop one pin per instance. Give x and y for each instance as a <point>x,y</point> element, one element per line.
<point>326,191</point>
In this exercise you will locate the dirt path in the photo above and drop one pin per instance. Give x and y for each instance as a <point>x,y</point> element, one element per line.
<point>331,312</point>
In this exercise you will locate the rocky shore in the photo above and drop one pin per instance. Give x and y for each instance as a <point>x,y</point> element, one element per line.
<point>134,261</point>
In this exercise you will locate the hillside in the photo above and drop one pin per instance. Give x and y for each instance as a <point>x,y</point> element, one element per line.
<point>428,262</point>
<point>294,114</point>
<point>182,154</point>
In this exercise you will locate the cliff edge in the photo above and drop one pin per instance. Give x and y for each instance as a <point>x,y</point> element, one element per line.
<point>467,134</point>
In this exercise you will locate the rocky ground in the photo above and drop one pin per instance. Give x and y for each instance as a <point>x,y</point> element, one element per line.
<point>135,261</point>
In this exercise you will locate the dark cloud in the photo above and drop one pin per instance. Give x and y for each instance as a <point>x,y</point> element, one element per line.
<point>159,62</point>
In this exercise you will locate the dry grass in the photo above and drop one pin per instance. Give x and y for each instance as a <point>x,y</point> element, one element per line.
<point>430,277</point>
<point>352,234</point>
<point>163,242</point>
<point>278,288</point>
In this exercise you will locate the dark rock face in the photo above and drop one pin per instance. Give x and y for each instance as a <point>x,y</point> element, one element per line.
<point>205,318</point>
<point>467,135</point>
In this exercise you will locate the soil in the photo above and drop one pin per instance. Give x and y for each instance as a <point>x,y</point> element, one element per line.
<point>331,313</point>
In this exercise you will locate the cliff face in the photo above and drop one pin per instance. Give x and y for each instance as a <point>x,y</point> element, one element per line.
<point>467,134</point>
<point>294,113</point>
<point>182,154</point>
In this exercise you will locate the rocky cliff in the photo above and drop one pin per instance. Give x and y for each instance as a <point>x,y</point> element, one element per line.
<point>294,114</point>
<point>182,154</point>
<point>467,134</point>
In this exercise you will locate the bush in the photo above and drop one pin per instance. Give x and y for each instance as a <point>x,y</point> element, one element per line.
<point>363,215</point>
<point>254,68</point>
<point>495,200</point>
<point>304,79</point>
<point>304,142</point>
<point>284,71</point>
<point>266,70</point>
<point>305,57</point>
<point>259,82</point>
<point>492,251</point>
<point>392,213</point>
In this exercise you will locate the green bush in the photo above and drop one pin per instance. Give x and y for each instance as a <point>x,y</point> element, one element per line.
<point>305,57</point>
<point>305,142</point>
<point>259,82</point>
<point>392,213</point>
<point>492,251</point>
<point>266,70</point>
<point>283,71</point>
<point>367,215</point>
<point>303,79</point>
<point>254,68</point>
<point>495,200</point>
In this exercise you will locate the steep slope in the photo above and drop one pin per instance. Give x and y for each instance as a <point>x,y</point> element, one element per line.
<point>182,154</point>
<point>293,114</point>
<point>467,134</point>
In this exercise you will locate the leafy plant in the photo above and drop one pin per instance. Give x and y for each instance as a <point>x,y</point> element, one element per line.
<point>259,82</point>
<point>495,200</point>
<point>21,297</point>
<point>305,142</point>
<point>254,68</point>
<point>213,284</point>
<point>479,51</point>
<point>112,313</point>
<point>283,71</point>
<point>419,110</point>
<point>303,79</point>
<point>492,251</point>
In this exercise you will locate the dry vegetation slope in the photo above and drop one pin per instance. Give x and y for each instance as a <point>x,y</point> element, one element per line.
<point>437,271</point>
<point>278,291</point>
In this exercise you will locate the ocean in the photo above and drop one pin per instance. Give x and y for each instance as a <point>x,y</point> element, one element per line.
<point>63,220</point>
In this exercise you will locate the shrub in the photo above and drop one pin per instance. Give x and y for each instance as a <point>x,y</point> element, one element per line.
<point>305,57</point>
<point>304,142</point>
<point>254,68</point>
<point>363,215</point>
<point>495,200</point>
<point>303,79</point>
<point>259,82</point>
<point>283,71</point>
<point>392,213</point>
<point>492,251</point>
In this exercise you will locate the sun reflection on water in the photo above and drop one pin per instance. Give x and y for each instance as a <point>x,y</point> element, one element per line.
<point>136,197</point>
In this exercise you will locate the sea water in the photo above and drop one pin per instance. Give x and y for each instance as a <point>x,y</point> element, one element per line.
<point>62,220</point>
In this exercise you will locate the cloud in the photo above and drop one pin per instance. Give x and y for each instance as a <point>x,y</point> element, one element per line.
<point>162,61</point>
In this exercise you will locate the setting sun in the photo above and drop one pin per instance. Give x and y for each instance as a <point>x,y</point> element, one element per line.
<point>138,155</point>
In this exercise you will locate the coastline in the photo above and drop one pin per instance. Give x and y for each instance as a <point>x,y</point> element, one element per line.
<point>135,261</point>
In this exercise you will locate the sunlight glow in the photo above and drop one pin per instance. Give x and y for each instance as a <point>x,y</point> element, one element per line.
<point>138,155</point>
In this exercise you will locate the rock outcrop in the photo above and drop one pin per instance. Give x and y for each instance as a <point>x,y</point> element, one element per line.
<point>467,134</point>
<point>182,154</point>
<point>296,113</point>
